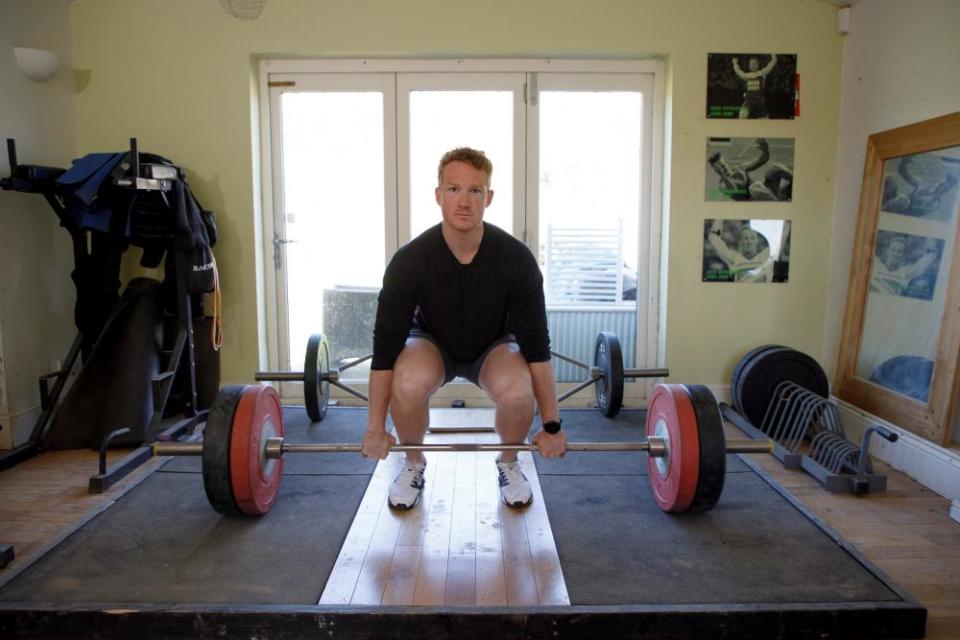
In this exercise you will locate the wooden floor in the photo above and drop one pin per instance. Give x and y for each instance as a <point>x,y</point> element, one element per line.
<point>460,546</point>
<point>905,531</point>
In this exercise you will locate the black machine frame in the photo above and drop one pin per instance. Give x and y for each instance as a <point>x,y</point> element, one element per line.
<point>181,361</point>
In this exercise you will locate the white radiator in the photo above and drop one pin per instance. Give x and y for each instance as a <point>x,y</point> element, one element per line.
<point>574,330</point>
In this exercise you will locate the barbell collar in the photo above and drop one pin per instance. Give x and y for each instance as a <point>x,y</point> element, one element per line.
<point>276,447</point>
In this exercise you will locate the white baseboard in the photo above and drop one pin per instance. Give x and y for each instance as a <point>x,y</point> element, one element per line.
<point>17,427</point>
<point>931,465</point>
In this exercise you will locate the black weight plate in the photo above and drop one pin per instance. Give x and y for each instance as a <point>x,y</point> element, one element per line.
<point>738,371</point>
<point>760,378</point>
<point>316,390</point>
<point>608,357</point>
<point>216,450</point>
<point>713,448</point>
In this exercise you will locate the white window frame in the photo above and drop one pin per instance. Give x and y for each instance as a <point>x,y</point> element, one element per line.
<point>472,81</point>
<point>650,273</point>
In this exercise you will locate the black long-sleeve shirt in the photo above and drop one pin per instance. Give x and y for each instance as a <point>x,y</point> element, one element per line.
<point>466,307</point>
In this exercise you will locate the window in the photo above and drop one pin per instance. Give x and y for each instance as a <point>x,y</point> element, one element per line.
<point>353,154</point>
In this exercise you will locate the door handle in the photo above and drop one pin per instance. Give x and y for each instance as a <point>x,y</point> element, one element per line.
<point>277,242</point>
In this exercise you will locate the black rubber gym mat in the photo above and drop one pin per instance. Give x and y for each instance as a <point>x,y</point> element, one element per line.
<point>616,548</point>
<point>161,563</point>
<point>162,542</point>
<point>587,425</point>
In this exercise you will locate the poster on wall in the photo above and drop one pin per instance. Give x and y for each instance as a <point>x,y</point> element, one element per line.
<point>923,185</point>
<point>905,265</point>
<point>746,250</point>
<point>751,85</point>
<point>749,169</point>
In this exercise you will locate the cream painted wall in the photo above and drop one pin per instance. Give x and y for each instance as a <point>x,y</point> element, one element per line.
<point>176,74</point>
<point>36,295</point>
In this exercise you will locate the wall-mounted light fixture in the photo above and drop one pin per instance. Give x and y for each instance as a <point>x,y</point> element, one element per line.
<point>37,64</point>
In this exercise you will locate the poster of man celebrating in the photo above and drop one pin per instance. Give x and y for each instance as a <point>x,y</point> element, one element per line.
<point>746,250</point>
<point>905,265</point>
<point>751,85</point>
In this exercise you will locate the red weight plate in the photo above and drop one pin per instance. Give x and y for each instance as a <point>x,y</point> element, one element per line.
<point>255,479</point>
<point>673,478</point>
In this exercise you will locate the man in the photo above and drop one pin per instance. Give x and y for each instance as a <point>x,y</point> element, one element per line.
<point>892,274</point>
<point>754,104</point>
<point>750,261</point>
<point>462,299</point>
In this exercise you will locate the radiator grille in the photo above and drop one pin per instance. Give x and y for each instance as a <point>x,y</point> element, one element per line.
<point>573,332</point>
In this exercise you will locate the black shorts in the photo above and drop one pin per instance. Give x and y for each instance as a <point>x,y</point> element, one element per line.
<point>453,369</point>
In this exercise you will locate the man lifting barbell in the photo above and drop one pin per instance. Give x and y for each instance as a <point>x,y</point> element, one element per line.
<point>464,299</point>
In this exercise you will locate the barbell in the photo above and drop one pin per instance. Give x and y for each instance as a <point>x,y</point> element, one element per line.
<point>607,373</point>
<point>244,445</point>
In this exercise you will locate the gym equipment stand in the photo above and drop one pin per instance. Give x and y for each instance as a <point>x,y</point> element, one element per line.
<point>181,359</point>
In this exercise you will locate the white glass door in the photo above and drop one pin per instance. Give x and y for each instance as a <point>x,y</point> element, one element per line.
<point>334,206</point>
<point>438,112</point>
<point>587,196</point>
<point>354,151</point>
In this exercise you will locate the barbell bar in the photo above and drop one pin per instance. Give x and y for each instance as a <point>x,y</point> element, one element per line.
<point>607,373</point>
<point>276,447</point>
<point>332,376</point>
<point>244,444</point>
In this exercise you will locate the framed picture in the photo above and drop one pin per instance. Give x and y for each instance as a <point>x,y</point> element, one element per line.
<point>746,250</point>
<point>900,345</point>
<point>751,85</point>
<point>749,169</point>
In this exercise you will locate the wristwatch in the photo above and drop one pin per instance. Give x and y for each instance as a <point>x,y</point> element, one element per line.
<point>553,426</point>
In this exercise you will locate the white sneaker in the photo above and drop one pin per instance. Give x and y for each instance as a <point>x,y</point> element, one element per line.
<point>407,486</point>
<point>514,486</point>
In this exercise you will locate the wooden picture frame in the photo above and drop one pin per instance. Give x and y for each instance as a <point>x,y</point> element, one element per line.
<point>869,306</point>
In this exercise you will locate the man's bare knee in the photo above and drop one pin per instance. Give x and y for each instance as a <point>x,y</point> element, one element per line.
<point>411,390</point>
<point>516,401</point>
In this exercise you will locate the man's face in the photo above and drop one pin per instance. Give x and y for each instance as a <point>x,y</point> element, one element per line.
<point>748,243</point>
<point>463,195</point>
<point>895,255</point>
<point>754,64</point>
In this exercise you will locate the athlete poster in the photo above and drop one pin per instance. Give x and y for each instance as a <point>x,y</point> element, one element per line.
<point>752,85</point>
<point>749,169</point>
<point>905,264</point>
<point>746,250</point>
<point>922,185</point>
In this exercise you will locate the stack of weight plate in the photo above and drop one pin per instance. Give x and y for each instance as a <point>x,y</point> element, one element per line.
<point>756,376</point>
